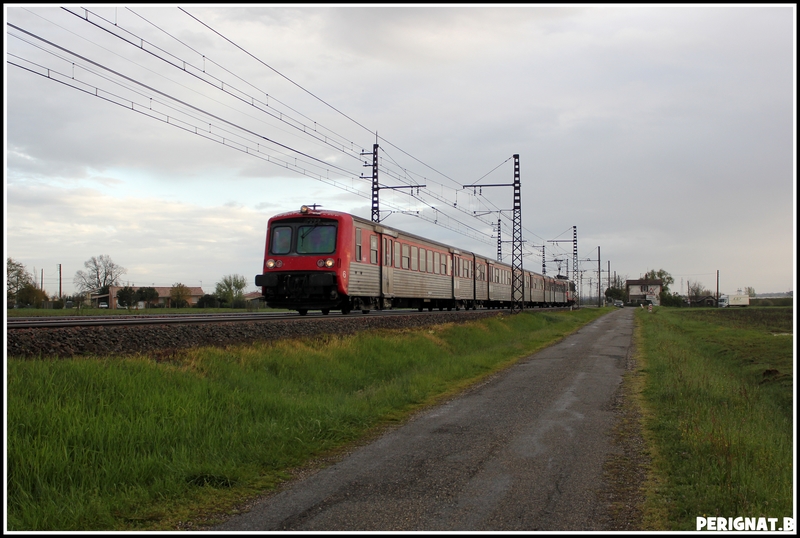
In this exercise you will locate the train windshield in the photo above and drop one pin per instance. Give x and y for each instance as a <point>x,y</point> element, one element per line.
<point>281,242</point>
<point>316,239</point>
<point>303,238</point>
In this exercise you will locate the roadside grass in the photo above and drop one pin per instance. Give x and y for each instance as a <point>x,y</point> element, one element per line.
<point>130,444</point>
<point>717,395</point>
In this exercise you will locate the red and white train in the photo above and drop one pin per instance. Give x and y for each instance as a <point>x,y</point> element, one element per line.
<point>329,260</point>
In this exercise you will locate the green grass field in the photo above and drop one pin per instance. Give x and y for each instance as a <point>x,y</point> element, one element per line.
<point>718,398</point>
<point>109,443</point>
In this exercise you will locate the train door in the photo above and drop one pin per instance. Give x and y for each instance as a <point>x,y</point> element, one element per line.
<point>387,268</point>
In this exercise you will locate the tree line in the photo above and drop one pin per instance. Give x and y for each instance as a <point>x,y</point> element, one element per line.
<point>100,273</point>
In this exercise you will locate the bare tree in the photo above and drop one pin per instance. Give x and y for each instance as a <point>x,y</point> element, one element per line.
<point>101,272</point>
<point>697,290</point>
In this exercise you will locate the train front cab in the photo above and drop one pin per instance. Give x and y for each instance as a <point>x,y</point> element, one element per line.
<point>306,261</point>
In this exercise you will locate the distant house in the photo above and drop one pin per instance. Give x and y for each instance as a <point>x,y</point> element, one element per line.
<point>644,291</point>
<point>256,298</point>
<point>164,300</point>
<point>706,300</point>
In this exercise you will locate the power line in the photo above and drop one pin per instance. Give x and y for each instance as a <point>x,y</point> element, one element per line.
<point>200,73</point>
<point>184,63</point>
<point>146,108</point>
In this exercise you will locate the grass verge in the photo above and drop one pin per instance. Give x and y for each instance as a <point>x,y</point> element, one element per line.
<point>110,443</point>
<point>716,389</point>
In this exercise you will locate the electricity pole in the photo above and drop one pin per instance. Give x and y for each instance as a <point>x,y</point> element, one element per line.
<point>376,187</point>
<point>517,280</point>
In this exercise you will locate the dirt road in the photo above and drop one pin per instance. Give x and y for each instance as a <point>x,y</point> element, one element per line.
<point>523,451</point>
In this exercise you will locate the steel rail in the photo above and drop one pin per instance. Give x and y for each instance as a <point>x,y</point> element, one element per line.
<point>125,320</point>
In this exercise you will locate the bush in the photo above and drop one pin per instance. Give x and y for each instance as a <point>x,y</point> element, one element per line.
<point>207,301</point>
<point>668,299</point>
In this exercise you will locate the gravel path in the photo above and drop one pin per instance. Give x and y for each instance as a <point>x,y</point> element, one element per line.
<point>539,447</point>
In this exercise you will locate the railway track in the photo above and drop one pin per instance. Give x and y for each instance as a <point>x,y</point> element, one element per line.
<point>160,335</point>
<point>170,319</point>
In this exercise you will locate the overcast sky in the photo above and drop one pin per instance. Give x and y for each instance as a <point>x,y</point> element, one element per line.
<point>166,138</point>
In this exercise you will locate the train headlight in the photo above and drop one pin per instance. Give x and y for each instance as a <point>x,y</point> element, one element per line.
<point>320,263</point>
<point>270,263</point>
<point>329,262</point>
<point>303,209</point>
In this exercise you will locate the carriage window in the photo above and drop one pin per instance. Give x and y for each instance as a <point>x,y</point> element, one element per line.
<point>446,264</point>
<point>430,261</point>
<point>405,264</point>
<point>358,244</point>
<point>422,265</point>
<point>436,260</point>
<point>387,252</point>
<point>414,260</point>
<point>281,241</point>
<point>397,254</point>
<point>373,249</point>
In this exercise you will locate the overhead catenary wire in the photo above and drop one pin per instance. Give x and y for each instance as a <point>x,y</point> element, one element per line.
<point>448,205</point>
<point>183,63</point>
<point>201,74</point>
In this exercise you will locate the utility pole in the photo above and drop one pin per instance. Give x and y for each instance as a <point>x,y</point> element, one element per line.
<point>599,279</point>
<point>59,281</point>
<point>517,280</point>
<point>376,187</point>
<point>376,210</point>
<point>499,243</point>
<point>517,276</point>
<point>574,257</point>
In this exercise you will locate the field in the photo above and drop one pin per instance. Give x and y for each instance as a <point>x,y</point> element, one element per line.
<point>107,443</point>
<point>717,389</point>
<point>131,444</point>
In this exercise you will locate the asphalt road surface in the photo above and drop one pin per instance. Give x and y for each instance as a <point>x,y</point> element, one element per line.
<point>522,451</point>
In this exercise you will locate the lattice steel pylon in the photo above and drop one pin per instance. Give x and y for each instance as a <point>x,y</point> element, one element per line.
<point>517,275</point>
<point>376,209</point>
<point>575,264</point>
<point>499,243</point>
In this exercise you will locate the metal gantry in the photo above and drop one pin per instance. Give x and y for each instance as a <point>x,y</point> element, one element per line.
<point>517,278</point>
<point>499,242</point>
<point>376,209</point>
<point>574,256</point>
<point>376,186</point>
